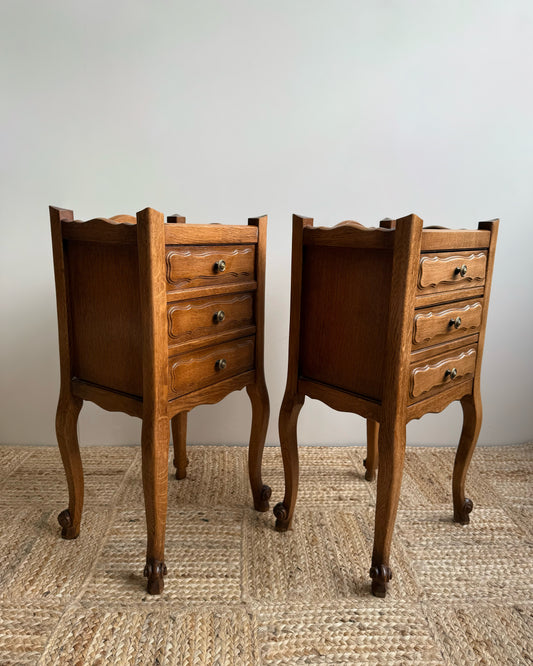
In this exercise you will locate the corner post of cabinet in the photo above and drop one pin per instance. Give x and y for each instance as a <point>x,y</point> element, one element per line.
<point>155,426</point>
<point>391,444</point>
<point>292,400</point>
<point>151,250</point>
<point>491,226</point>
<point>299,224</point>
<point>57,216</point>
<point>68,405</point>
<point>259,304</point>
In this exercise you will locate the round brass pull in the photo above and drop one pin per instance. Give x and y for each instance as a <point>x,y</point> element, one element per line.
<point>219,316</point>
<point>455,322</point>
<point>220,364</point>
<point>452,374</point>
<point>461,270</point>
<point>220,266</point>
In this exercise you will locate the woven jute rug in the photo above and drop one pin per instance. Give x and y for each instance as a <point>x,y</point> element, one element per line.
<point>239,593</point>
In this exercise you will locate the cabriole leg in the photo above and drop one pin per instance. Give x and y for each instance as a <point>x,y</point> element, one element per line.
<point>472,416</point>
<point>371,460</point>
<point>179,438</point>
<point>154,443</point>
<point>288,422</point>
<point>68,409</point>
<point>391,460</point>
<point>260,412</point>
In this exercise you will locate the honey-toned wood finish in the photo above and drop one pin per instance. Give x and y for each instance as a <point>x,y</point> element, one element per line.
<point>388,323</point>
<point>155,319</point>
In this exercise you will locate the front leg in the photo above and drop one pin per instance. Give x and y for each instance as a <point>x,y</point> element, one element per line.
<point>288,423</point>
<point>68,409</point>
<point>472,416</point>
<point>391,460</point>
<point>258,395</point>
<point>154,443</point>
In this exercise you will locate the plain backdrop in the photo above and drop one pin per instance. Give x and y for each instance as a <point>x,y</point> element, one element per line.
<point>221,110</point>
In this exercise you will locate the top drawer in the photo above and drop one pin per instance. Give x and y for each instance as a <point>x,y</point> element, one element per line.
<point>449,271</point>
<point>208,265</point>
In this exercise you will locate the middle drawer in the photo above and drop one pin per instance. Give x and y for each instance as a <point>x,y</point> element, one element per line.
<point>201,317</point>
<point>441,323</point>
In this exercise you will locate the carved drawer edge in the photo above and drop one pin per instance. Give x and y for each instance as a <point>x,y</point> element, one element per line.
<point>428,263</point>
<point>419,383</point>
<point>423,320</point>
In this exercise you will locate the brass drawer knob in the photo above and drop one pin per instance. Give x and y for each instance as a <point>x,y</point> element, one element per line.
<point>452,374</point>
<point>219,316</point>
<point>455,322</point>
<point>461,270</point>
<point>220,266</point>
<point>220,364</point>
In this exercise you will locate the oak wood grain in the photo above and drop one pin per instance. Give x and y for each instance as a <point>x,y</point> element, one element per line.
<point>186,293</point>
<point>210,234</point>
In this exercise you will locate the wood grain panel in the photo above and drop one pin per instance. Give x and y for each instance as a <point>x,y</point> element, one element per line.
<point>193,371</point>
<point>207,234</point>
<point>344,310</point>
<point>104,300</point>
<point>195,265</point>
<point>437,324</point>
<point>190,320</point>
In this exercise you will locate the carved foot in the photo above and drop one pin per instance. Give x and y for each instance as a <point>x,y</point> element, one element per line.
<point>69,531</point>
<point>262,504</point>
<point>154,571</point>
<point>380,577</point>
<point>282,517</point>
<point>370,474</point>
<point>460,515</point>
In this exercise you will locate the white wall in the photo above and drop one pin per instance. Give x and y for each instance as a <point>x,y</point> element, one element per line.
<point>223,110</point>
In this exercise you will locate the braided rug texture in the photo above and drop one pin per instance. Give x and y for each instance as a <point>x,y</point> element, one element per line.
<point>239,593</point>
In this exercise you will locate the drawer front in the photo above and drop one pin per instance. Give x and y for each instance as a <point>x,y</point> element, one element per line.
<point>450,271</point>
<point>197,318</point>
<point>446,322</point>
<point>441,372</point>
<point>201,368</point>
<point>208,265</point>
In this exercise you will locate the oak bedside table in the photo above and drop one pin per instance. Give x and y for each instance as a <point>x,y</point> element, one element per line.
<point>153,320</point>
<point>388,323</point>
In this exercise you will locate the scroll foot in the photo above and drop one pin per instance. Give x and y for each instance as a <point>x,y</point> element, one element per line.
<point>380,577</point>
<point>68,531</point>
<point>461,514</point>
<point>282,521</point>
<point>262,504</point>
<point>154,571</point>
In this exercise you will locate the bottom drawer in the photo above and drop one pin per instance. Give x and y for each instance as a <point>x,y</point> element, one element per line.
<point>441,372</point>
<point>203,367</point>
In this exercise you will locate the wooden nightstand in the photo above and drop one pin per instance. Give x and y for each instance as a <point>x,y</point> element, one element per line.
<point>153,320</point>
<point>388,323</point>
